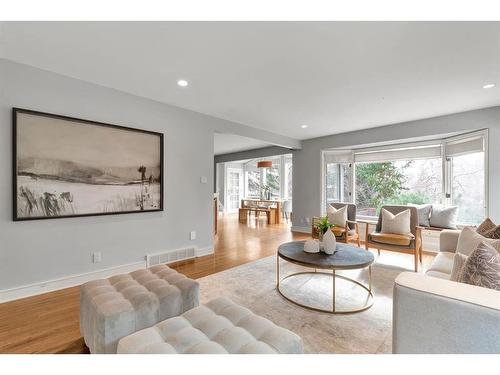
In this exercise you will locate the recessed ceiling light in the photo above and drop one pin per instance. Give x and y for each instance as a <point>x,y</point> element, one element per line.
<point>304,126</point>
<point>489,86</point>
<point>182,83</point>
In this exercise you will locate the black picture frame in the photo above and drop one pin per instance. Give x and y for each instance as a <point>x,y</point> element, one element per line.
<point>15,214</point>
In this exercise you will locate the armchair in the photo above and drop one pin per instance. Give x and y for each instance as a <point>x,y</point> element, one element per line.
<point>347,233</point>
<point>409,244</point>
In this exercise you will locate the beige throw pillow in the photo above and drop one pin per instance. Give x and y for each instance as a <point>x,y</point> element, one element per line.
<point>469,239</point>
<point>458,266</point>
<point>337,217</point>
<point>396,224</point>
<point>482,267</point>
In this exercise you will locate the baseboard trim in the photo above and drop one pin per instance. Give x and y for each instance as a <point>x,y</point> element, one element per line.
<point>66,282</point>
<point>204,251</point>
<point>301,229</point>
<point>78,279</point>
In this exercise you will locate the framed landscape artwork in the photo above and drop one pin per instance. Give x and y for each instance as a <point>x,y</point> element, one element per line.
<point>68,167</point>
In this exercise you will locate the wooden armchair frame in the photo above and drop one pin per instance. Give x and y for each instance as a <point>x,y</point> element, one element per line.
<point>415,247</point>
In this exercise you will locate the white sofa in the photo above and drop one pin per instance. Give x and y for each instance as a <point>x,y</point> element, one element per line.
<point>432,314</point>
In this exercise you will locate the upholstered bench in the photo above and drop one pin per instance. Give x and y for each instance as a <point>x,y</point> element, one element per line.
<point>219,327</point>
<point>116,307</point>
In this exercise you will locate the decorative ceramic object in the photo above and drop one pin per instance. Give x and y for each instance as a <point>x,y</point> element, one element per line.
<point>311,246</point>
<point>329,242</point>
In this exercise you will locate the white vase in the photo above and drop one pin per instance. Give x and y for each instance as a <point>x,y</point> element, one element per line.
<point>329,242</point>
<point>311,246</point>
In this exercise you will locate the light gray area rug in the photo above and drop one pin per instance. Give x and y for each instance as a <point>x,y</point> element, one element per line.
<point>253,285</point>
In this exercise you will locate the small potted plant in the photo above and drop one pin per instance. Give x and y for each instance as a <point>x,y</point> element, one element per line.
<point>323,225</point>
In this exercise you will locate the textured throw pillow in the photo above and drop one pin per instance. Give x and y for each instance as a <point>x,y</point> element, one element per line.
<point>485,226</point>
<point>482,267</point>
<point>493,233</point>
<point>469,239</point>
<point>337,217</point>
<point>424,214</point>
<point>444,217</point>
<point>396,224</point>
<point>488,229</point>
<point>458,266</point>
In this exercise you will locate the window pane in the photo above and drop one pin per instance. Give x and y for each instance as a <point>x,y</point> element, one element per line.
<point>289,179</point>
<point>468,187</point>
<point>399,182</point>
<point>273,181</point>
<point>253,188</point>
<point>332,183</point>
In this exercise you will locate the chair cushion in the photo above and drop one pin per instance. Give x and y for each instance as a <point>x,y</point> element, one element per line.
<point>392,239</point>
<point>444,217</point>
<point>443,263</point>
<point>424,214</point>
<point>396,224</point>
<point>219,327</point>
<point>337,216</point>
<point>340,232</point>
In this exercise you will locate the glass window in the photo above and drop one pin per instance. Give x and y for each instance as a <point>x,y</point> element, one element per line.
<point>337,182</point>
<point>467,174</point>
<point>272,178</point>
<point>253,184</point>
<point>416,173</point>
<point>397,182</point>
<point>288,179</point>
<point>332,181</point>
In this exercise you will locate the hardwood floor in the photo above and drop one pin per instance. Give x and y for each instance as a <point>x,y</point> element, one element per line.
<point>49,323</point>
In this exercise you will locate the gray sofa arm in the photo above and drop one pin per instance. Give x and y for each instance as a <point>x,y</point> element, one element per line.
<point>448,239</point>
<point>432,315</point>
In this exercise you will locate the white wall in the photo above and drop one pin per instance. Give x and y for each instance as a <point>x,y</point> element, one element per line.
<point>307,161</point>
<point>37,251</point>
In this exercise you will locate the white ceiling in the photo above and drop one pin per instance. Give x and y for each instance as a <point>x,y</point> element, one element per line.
<point>226,143</point>
<point>333,76</point>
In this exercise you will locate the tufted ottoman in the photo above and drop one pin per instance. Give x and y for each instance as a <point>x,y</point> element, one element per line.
<point>116,307</point>
<point>219,327</point>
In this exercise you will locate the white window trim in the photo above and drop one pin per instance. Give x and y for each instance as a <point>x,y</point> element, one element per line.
<point>446,170</point>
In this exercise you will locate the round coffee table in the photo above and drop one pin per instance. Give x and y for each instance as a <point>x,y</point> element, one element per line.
<point>346,257</point>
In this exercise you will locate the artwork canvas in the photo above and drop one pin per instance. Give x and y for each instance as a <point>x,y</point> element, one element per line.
<point>67,167</point>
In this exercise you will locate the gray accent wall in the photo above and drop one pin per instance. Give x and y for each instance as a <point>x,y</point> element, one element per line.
<point>38,251</point>
<point>307,161</point>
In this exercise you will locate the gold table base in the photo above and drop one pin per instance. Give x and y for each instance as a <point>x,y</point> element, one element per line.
<point>334,310</point>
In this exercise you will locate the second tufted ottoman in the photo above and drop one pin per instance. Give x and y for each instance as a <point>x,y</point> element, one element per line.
<point>116,307</point>
<point>219,327</point>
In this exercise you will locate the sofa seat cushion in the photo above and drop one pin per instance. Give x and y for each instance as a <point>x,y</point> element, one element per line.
<point>116,307</point>
<point>443,263</point>
<point>219,327</point>
<point>392,239</point>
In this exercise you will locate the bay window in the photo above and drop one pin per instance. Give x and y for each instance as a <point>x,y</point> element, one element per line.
<point>449,171</point>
